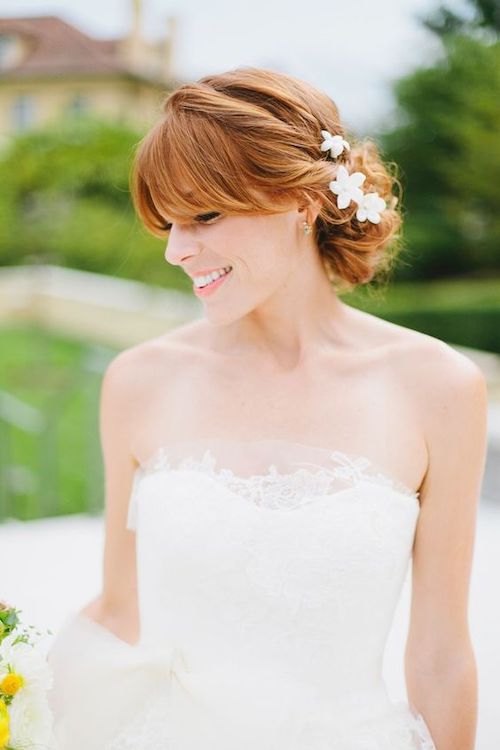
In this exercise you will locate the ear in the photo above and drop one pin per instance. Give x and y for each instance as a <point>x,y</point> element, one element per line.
<point>311,207</point>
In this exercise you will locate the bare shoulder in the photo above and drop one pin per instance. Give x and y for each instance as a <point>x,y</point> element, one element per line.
<point>132,366</point>
<point>430,365</point>
<point>451,392</point>
<point>136,375</point>
<point>445,390</point>
<point>448,398</point>
<point>438,372</point>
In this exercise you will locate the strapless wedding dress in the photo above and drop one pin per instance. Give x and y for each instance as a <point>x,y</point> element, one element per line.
<point>268,577</point>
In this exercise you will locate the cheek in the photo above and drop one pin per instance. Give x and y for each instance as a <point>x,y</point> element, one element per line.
<point>261,269</point>
<point>265,257</point>
<point>276,264</point>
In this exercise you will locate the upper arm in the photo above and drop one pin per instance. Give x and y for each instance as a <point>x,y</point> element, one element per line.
<point>454,411</point>
<point>119,586</point>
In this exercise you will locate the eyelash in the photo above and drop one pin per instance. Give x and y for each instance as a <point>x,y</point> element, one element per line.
<point>168,225</point>
<point>201,216</point>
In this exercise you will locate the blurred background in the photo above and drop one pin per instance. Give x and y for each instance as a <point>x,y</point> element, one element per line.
<point>80,279</point>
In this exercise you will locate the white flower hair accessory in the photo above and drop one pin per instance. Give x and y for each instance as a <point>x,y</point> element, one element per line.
<point>335,144</point>
<point>369,207</point>
<point>347,187</point>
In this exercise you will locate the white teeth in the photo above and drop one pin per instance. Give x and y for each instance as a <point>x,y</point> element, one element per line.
<point>201,281</point>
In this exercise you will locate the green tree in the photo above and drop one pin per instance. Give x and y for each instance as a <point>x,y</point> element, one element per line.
<point>484,14</point>
<point>65,200</point>
<point>446,142</point>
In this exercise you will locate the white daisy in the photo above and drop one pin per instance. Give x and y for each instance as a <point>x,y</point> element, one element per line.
<point>26,660</point>
<point>347,186</point>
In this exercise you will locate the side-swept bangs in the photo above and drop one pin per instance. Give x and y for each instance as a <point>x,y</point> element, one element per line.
<point>210,152</point>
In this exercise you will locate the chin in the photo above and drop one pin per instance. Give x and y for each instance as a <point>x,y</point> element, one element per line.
<point>220,314</point>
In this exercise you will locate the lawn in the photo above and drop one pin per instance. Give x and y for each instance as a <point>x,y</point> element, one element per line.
<point>50,453</point>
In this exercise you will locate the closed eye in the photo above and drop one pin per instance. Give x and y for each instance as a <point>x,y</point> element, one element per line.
<point>200,219</point>
<point>203,218</point>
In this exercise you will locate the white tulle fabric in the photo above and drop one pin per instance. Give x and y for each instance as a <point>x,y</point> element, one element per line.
<point>269,572</point>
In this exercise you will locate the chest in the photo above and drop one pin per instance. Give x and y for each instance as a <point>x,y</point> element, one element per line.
<point>325,403</point>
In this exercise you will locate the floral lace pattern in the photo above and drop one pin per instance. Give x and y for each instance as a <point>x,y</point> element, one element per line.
<point>153,729</point>
<point>149,730</point>
<point>277,490</point>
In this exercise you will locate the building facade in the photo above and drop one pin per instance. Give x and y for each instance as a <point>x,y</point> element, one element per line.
<point>50,69</point>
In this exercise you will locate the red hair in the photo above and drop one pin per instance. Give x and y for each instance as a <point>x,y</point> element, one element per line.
<point>248,141</point>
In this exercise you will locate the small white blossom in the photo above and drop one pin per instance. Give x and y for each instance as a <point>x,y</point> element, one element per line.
<point>333,143</point>
<point>347,186</point>
<point>369,208</point>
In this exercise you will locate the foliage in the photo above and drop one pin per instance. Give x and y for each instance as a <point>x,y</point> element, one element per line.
<point>484,14</point>
<point>446,144</point>
<point>65,200</point>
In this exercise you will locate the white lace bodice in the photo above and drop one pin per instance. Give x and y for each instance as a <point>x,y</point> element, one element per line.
<point>268,576</point>
<point>274,489</point>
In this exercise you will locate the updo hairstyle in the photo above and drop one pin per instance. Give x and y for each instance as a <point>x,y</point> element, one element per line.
<point>248,141</point>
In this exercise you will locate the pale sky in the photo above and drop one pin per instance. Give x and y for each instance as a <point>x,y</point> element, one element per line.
<point>352,50</point>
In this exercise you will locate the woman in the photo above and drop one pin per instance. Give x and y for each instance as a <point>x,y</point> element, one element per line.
<point>272,468</point>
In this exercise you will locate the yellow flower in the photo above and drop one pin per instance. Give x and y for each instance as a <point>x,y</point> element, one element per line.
<point>4,725</point>
<point>11,683</point>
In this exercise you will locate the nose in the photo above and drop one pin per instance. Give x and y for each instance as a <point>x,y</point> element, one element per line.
<point>181,245</point>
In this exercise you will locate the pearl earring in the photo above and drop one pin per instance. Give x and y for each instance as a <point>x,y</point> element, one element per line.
<point>307,227</point>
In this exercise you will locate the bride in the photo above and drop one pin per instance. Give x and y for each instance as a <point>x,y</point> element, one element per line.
<point>272,468</point>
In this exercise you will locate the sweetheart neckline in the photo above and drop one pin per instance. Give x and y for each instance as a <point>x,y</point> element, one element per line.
<point>355,464</point>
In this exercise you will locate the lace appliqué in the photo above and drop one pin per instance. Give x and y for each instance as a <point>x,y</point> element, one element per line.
<point>277,490</point>
<point>149,730</point>
<point>402,729</point>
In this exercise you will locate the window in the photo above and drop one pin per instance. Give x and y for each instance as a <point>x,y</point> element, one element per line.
<point>11,51</point>
<point>23,111</point>
<point>78,105</point>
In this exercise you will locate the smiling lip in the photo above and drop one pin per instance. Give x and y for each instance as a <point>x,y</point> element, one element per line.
<point>205,271</point>
<point>212,287</point>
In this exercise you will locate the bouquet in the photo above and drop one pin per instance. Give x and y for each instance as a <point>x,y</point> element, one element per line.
<point>26,719</point>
